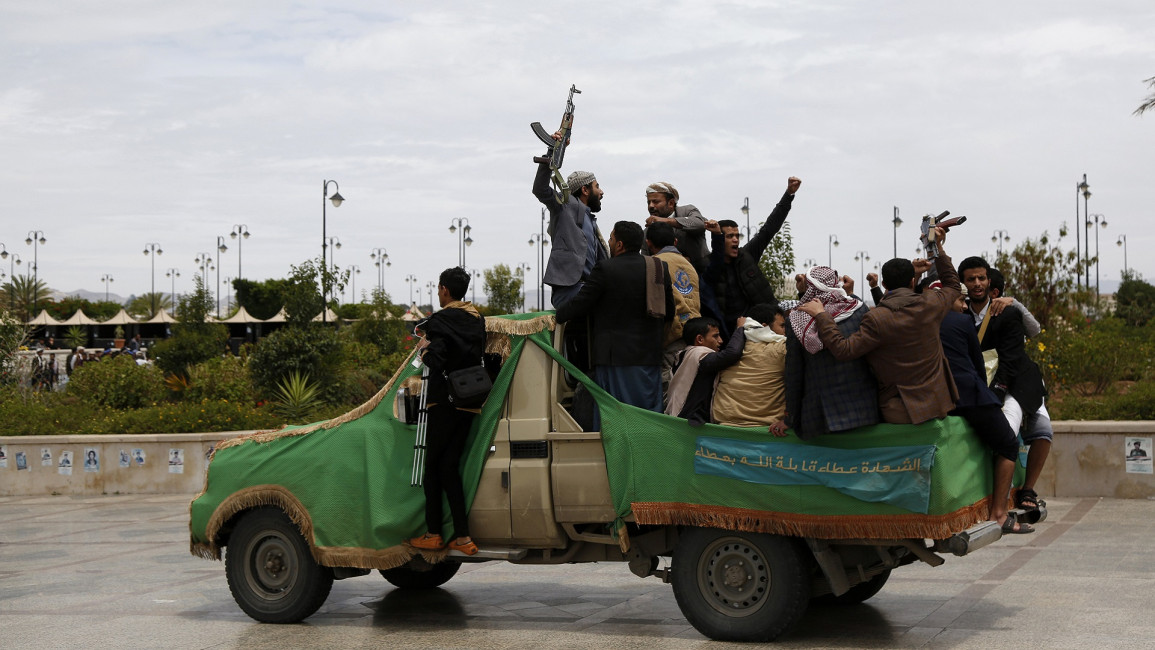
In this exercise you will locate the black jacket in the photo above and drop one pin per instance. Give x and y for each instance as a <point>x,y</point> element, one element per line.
<point>753,288</point>
<point>960,346</point>
<point>622,331</point>
<point>1017,372</point>
<point>456,340</point>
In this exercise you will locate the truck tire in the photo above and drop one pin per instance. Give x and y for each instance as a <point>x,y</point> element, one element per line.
<point>271,571</point>
<point>736,586</point>
<point>408,577</point>
<point>859,593</point>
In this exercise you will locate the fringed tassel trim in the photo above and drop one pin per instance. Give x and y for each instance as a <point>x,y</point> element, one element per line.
<point>365,558</point>
<point>362,410</point>
<point>332,556</point>
<point>521,327</point>
<point>820,526</point>
<point>255,497</point>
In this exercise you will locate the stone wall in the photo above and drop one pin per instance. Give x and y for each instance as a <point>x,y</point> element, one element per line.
<point>1088,460</point>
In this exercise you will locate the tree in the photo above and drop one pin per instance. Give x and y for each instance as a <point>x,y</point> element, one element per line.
<point>1149,102</point>
<point>66,307</point>
<point>503,290</point>
<point>146,306</point>
<point>777,263</point>
<point>261,299</point>
<point>302,296</point>
<point>1041,275</point>
<point>194,339</point>
<point>1135,302</point>
<point>23,293</point>
<point>13,334</point>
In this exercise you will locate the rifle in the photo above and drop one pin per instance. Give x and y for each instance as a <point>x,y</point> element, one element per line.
<point>928,225</point>
<point>557,147</point>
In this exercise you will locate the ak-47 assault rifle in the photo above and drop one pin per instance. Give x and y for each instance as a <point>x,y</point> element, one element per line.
<point>929,223</point>
<point>557,147</point>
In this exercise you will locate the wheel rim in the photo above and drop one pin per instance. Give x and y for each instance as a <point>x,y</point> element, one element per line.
<point>733,577</point>
<point>271,565</point>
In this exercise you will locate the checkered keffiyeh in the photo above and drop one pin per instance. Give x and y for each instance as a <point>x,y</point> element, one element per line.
<point>579,179</point>
<point>822,284</point>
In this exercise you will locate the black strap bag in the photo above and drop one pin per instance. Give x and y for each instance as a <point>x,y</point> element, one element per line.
<point>468,387</point>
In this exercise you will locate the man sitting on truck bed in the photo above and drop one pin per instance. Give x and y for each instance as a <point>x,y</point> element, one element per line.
<point>626,332</point>
<point>900,341</point>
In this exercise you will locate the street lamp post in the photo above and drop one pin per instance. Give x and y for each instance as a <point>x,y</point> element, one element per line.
<point>35,238</point>
<point>521,271</point>
<point>382,260</point>
<point>152,249</point>
<point>897,222</point>
<point>541,240</point>
<point>809,263</point>
<point>1096,226</point>
<point>862,257</point>
<point>335,242</point>
<point>411,279</point>
<point>106,278</point>
<point>831,242</point>
<point>1085,190</point>
<point>228,299</point>
<point>221,247</point>
<point>746,211</point>
<point>463,238</point>
<point>353,271</point>
<point>476,277</point>
<point>999,236</point>
<point>337,199</point>
<point>173,274</point>
<point>204,262</point>
<point>240,232</point>
<point>430,286</point>
<point>1122,241</point>
<point>11,274</point>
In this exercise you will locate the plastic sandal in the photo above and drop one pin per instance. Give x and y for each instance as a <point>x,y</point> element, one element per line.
<point>428,542</point>
<point>467,547</point>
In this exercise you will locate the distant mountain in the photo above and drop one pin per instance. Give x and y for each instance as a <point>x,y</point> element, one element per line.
<point>94,296</point>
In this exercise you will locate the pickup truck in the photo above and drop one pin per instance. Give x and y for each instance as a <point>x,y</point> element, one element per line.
<point>754,527</point>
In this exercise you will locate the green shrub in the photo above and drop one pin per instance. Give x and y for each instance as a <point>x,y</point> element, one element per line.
<point>42,413</point>
<point>186,417</point>
<point>312,350</point>
<point>188,347</point>
<point>1138,403</point>
<point>118,382</point>
<point>224,378</point>
<point>1089,358</point>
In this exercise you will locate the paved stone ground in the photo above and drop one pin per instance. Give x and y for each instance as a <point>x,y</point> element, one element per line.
<point>115,571</point>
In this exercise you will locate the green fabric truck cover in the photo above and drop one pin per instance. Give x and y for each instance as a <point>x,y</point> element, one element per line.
<point>346,482</point>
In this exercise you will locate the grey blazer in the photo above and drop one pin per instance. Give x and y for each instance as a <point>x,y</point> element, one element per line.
<point>567,254</point>
<point>692,238</point>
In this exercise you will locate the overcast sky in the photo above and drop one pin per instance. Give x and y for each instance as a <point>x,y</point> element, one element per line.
<point>124,123</point>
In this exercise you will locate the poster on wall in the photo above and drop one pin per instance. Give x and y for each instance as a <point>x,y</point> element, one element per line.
<point>3,455</point>
<point>91,460</point>
<point>65,465</point>
<point>176,461</point>
<point>1137,454</point>
<point>21,461</point>
<point>138,456</point>
<point>125,459</point>
<point>46,457</point>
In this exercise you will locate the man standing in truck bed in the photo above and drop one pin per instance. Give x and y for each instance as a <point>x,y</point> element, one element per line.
<point>900,340</point>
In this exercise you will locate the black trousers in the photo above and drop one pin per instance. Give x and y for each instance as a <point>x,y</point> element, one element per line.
<point>991,427</point>
<point>444,442</point>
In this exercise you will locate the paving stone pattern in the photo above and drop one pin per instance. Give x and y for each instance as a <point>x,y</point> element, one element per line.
<point>114,571</point>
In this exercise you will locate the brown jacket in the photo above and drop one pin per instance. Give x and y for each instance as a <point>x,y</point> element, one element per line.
<point>900,341</point>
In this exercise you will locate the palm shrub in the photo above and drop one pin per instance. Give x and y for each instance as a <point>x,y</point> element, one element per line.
<point>297,397</point>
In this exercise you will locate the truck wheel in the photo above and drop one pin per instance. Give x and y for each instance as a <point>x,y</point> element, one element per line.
<point>735,586</point>
<point>270,570</point>
<point>409,577</point>
<point>859,593</point>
